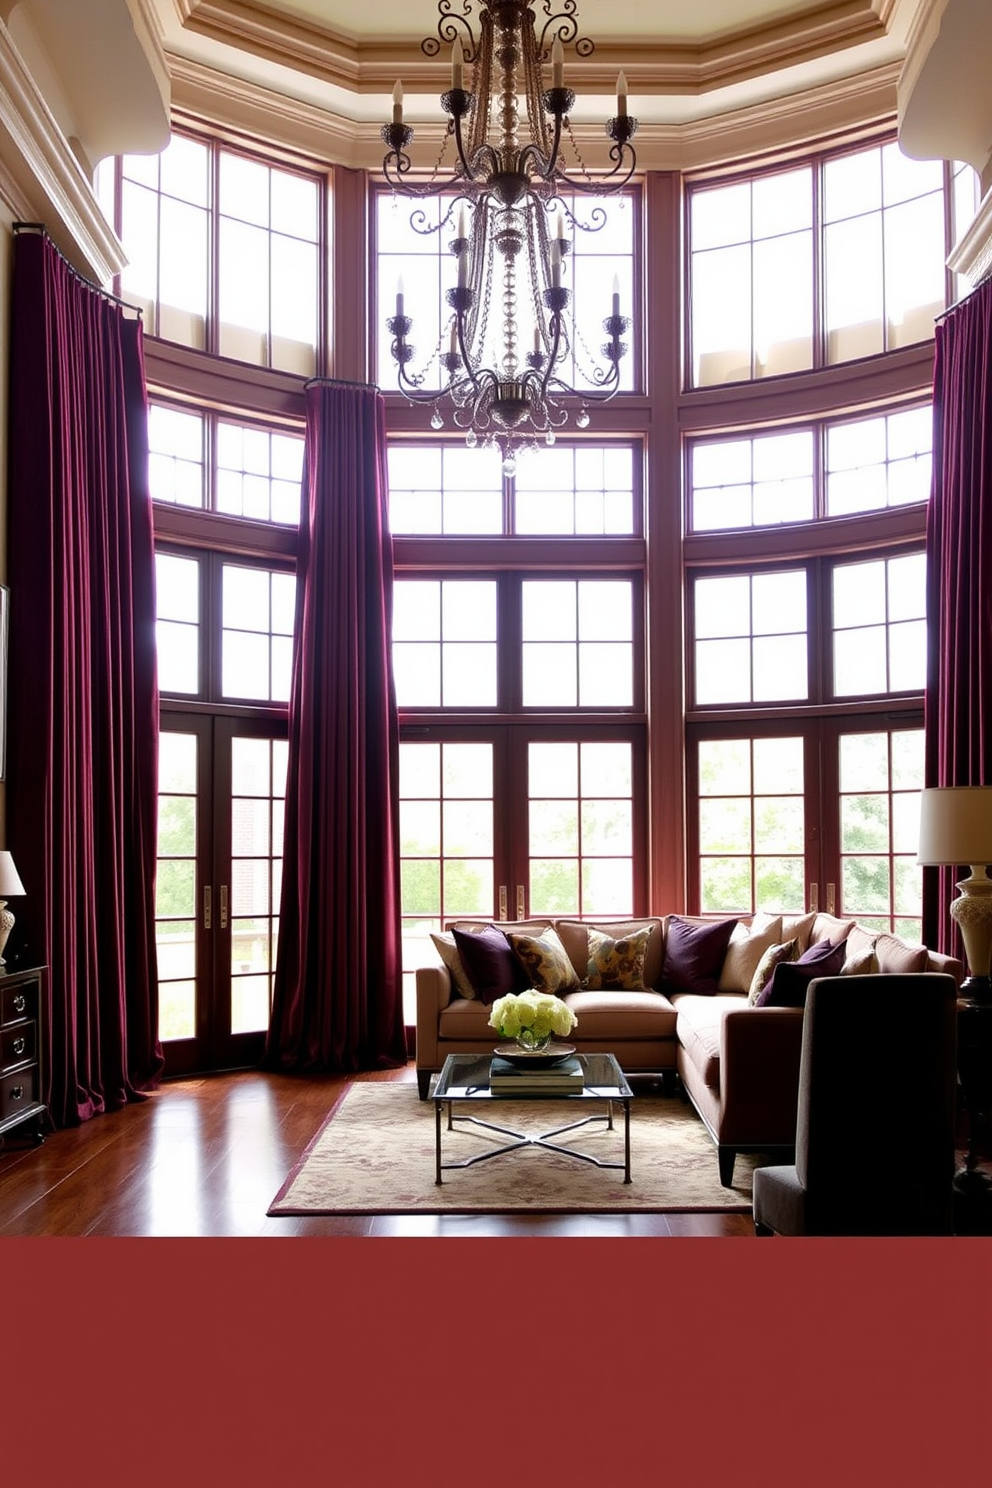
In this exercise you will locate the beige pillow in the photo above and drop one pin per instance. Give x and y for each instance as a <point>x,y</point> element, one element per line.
<point>799,927</point>
<point>745,950</point>
<point>787,950</point>
<point>861,963</point>
<point>545,960</point>
<point>444,942</point>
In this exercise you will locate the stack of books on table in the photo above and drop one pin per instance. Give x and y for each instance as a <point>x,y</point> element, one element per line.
<point>509,1078</point>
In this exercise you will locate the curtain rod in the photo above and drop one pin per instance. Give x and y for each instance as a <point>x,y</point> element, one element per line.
<point>42,230</point>
<point>371,387</point>
<point>958,303</point>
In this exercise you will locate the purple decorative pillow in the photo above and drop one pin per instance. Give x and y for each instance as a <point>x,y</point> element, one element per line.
<point>490,963</point>
<point>694,954</point>
<point>790,979</point>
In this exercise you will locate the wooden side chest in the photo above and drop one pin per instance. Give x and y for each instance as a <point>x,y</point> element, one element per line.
<point>20,1051</point>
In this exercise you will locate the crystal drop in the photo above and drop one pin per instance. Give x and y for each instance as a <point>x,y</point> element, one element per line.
<point>549,438</point>
<point>510,465</point>
<point>470,439</point>
<point>437,422</point>
<point>582,419</point>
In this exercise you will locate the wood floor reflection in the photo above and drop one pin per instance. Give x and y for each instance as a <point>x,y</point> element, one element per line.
<point>206,1156</point>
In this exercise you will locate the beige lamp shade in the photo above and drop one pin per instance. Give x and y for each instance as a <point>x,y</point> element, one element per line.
<point>956,825</point>
<point>10,879</point>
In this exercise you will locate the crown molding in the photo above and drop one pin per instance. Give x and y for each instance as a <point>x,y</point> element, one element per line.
<point>40,178</point>
<point>845,106</point>
<point>972,254</point>
<point>653,68</point>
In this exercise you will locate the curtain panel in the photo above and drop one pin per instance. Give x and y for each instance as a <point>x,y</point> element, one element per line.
<point>958,727</point>
<point>82,701</point>
<point>337,1000</point>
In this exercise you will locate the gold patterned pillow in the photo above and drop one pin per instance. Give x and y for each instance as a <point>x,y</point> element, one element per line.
<point>787,951</point>
<point>545,960</point>
<point>617,965</point>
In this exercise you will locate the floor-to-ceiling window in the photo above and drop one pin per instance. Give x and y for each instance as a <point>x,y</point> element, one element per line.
<point>744,520</point>
<point>813,290</point>
<point>227,255</point>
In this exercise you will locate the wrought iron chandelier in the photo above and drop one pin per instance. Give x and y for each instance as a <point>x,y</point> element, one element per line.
<point>505,193</point>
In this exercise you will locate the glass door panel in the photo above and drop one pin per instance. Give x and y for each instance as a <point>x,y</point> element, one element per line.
<point>258,805</point>
<point>222,788</point>
<point>183,759</point>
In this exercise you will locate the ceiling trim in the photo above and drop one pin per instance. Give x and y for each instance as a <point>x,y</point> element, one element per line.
<point>846,106</point>
<point>42,179</point>
<point>653,68</point>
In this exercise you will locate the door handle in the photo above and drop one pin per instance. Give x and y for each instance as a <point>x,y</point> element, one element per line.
<point>521,912</point>
<point>831,899</point>
<point>502,901</point>
<point>208,907</point>
<point>223,906</point>
<point>814,898</point>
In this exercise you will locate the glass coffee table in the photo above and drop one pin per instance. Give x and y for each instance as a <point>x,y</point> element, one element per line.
<point>464,1081</point>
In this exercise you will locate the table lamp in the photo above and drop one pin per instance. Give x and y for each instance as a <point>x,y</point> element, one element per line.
<point>10,883</point>
<point>956,828</point>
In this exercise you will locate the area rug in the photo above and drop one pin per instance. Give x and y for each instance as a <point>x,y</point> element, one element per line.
<point>375,1155</point>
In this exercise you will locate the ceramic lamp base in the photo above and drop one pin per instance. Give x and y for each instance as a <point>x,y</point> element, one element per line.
<point>6,925</point>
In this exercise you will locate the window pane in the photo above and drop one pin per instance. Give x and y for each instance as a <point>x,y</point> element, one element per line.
<point>880,779</point>
<point>751,820</point>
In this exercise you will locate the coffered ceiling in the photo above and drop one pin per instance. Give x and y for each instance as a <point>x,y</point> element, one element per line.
<point>707,78</point>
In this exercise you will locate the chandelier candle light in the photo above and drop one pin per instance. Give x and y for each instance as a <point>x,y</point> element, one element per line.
<point>505,193</point>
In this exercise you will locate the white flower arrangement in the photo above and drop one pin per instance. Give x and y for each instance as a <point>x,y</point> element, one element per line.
<point>531,1017</point>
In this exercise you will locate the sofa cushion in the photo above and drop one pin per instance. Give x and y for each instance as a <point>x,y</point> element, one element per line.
<point>699,1023</point>
<point>616,963</point>
<point>490,963</point>
<point>607,1017</point>
<point>896,955</point>
<point>575,938</point>
<point>444,944</point>
<point>545,961</point>
<point>694,953</point>
<point>790,979</point>
<point>745,950</point>
<point>466,1020</point>
<point>786,950</point>
<point>829,927</point>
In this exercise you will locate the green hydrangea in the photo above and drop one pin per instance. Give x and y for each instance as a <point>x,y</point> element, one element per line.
<point>536,1014</point>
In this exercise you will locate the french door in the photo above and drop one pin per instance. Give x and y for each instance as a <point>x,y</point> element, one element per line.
<point>821,813</point>
<point>510,821</point>
<point>222,787</point>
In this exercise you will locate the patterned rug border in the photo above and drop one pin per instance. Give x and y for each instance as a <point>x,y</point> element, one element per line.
<point>450,1200</point>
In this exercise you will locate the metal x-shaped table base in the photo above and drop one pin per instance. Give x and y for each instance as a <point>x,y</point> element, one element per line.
<point>523,1139</point>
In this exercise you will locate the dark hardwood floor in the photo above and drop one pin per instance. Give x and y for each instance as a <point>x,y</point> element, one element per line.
<point>205,1156</point>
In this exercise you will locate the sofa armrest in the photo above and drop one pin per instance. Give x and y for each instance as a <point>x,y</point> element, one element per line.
<point>760,1049</point>
<point>936,961</point>
<point>433,985</point>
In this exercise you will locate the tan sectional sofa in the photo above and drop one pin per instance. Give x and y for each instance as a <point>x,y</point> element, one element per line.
<point>738,1064</point>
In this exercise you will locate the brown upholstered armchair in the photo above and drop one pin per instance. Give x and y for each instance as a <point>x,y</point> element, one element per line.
<point>876,1117</point>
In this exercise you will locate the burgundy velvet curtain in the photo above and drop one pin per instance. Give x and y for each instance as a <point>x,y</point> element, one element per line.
<point>337,1002</point>
<point>959,578</point>
<point>82,698</point>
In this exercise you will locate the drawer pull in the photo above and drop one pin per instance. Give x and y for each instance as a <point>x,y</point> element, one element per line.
<point>20,1044</point>
<point>17,1092</point>
<point>20,1003</point>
